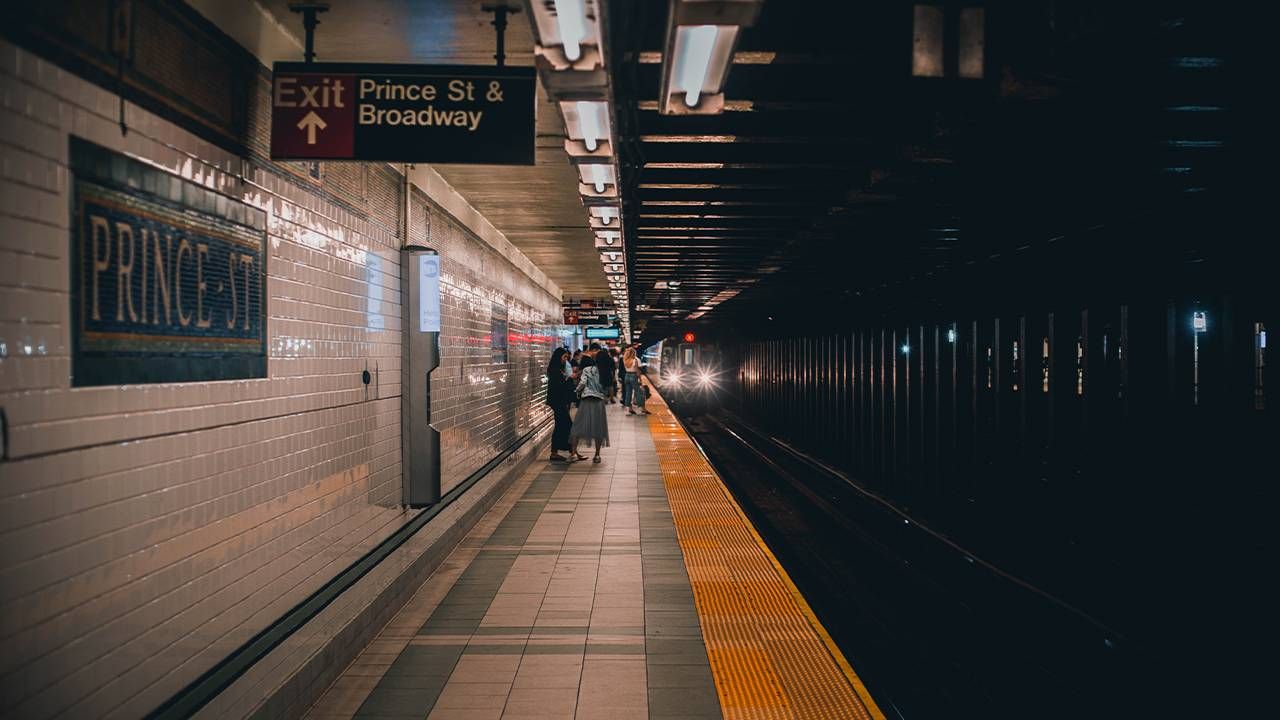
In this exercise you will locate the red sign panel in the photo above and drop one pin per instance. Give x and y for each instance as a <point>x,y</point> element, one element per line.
<point>312,115</point>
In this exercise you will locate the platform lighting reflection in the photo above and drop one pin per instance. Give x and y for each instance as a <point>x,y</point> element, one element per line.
<point>569,15</point>
<point>906,349</point>
<point>1199,321</point>
<point>951,335</point>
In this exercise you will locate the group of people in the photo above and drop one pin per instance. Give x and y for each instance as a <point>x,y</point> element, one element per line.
<point>589,380</point>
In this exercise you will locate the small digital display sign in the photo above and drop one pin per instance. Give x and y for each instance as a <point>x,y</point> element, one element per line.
<point>603,333</point>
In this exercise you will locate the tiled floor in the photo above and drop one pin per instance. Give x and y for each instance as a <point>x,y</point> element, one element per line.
<point>570,599</point>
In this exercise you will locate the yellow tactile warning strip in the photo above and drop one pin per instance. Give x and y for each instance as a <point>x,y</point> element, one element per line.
<point>770,656</point>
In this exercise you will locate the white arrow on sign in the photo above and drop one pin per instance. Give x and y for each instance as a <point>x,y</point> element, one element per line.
<point>311,123</point>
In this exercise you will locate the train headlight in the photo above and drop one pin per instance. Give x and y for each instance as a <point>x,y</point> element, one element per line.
<point>706,379</point>
<point>674,379</point>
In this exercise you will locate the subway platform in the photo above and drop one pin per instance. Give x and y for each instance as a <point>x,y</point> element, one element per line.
<point>635,588</point>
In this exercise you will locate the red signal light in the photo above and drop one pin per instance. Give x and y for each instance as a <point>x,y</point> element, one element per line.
<point>689,337</point>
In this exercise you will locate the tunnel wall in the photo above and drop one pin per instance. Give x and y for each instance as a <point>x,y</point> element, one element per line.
<point>146,531</point>
<point>1099,447</point>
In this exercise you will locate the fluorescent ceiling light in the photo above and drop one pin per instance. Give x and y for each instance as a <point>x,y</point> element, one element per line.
<point>697,48</point>
<point>597,175</point>
<point>572,22</point>
<point>698,52</point>
<point>589,116</point>
<point>606,213</point>
<point>694,46</point>
<point>586,120</point>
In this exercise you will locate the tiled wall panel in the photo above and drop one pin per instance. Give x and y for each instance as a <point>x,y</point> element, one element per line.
<point>146,531</point>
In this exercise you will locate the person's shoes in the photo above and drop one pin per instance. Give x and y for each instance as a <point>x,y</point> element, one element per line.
<point>557,457</point>
<point>630,411</point>
<point>595,459</point>
<point>576,457</point>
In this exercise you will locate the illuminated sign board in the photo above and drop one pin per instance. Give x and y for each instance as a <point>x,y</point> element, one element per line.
<point>402,113</point>
<point>602,333</point>
<point>167,276</point>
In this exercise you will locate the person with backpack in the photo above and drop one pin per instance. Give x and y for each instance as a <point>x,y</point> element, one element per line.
<point>607,369</point>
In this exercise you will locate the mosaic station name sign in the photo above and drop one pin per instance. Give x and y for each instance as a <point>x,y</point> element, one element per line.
<point>167,276</point>
<point>402,113</point>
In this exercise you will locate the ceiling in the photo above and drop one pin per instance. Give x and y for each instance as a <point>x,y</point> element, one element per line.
<point>537,207</point>
<point>833,173</point>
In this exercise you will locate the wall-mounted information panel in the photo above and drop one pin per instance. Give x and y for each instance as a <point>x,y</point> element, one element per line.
<point>420,442</point>
<point>403,113</point>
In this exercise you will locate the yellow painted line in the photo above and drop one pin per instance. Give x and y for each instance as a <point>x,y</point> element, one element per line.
<point>770,656</point>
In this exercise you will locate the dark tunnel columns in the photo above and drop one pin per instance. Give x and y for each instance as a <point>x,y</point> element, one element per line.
<point>1082,408</point>
<point>420,442</point>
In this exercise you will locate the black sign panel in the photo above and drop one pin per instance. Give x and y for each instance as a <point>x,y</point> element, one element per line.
<point>167,279</point>
<point>403,113</point>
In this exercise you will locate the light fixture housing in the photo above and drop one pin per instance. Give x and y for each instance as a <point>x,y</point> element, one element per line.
<point>598,177</point>
<point>609,242</point>
<point>933,55</point>
<point>587,129</point>
<point>568,34</point>
<point>701,38</point>
<point>605,217</point>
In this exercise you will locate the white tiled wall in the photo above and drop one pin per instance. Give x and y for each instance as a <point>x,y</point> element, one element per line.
<point>146,531</point>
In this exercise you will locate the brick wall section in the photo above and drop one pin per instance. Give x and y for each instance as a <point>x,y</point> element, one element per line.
<point>147,531</point>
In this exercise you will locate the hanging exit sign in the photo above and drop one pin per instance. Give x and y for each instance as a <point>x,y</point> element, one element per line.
<point>402,113</point>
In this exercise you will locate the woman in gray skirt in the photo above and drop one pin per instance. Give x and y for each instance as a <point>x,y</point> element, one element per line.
<point>590,423</point>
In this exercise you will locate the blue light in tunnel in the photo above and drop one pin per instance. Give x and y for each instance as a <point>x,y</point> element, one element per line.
<point>906,349</point>
<point>1199,321</point>
<point>951,335</point>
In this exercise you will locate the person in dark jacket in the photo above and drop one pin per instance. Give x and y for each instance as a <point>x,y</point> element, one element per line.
<point>560,394</point>
<point>606,367</point>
